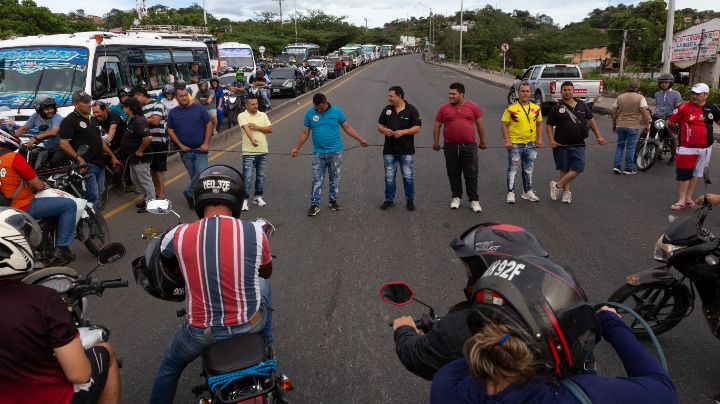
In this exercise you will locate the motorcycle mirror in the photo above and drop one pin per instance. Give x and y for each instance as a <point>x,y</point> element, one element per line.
<point>396,293</point>
<point>83,149</point>
<point>43,128</point>
<point>706,176</point>
<point>159,206</point>
<point>110,253</point>
<point>267,227</point>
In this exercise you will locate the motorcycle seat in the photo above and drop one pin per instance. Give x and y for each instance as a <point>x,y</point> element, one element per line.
<point>234,354</point>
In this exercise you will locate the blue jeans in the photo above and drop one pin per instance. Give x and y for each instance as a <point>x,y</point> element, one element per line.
<point>265,94</point>
<point>259,164</point>
<point>94,183</point>
<point>62,208</point>
<point>190,341</point>
<point>405,161</point>
<point>521,155</point>
<point>321,162</point>
<point>626,142</point>
<point>195,162</point>
<point>219,118</point>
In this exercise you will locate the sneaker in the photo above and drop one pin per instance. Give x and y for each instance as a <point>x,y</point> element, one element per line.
<point>245,205</point>
<point>387,204</point>
<point>334,205</point>
<point>314,210</point>
<point>455,203</point>
<point>259,201</point>
<point>629,172</point>
<point>410,205</point>
<point>554,191</point>
<point>475,206</point>
<point>617,170</point>
<point>510,197</point>
<point>141,207</point>
<point>530,196</point>
<point>63,256</point>
<point>567,197</point>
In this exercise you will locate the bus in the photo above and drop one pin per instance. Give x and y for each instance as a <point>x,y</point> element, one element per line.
<point>372,50</point>
<point>232,54</point>
<point>97,62</point>
<point>300,52</point>
<point>352,50</point>
<point>387,50</point>
<point>185,33</point>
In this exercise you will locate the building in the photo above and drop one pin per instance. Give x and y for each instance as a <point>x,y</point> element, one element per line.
<point>695,53</point>
<point>589,59</point>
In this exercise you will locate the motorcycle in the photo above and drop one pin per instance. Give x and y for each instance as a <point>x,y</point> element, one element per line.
<point>234,105</point>
<point>258,91</point>
<point>661,297</point>
<point>654,145</point>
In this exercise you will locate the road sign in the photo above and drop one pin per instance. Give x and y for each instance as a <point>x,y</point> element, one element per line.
<point>505,47</point>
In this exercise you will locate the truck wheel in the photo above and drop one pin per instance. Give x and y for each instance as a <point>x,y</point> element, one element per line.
<point>512,96</point>
<point>538,99</point>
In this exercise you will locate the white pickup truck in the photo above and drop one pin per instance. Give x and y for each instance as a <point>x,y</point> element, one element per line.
<point>545,82</point>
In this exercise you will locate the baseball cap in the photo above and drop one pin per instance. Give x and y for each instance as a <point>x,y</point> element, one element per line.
<point>82,96</point>
<point>700,88</point>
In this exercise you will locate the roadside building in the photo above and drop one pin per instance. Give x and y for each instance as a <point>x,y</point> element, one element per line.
<point>695,53</point>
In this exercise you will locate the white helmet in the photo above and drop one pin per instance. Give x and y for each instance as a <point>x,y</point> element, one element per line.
<point>19,237</point>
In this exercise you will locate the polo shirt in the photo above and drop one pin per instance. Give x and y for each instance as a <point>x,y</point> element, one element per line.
<point>80,130</point>
<point>407,118</point>
<point>260,119</point>
<point>189,124</point>
<point>325,128</point>
<point>522,122</point>
<point>154,108</point>
<point>567,130</point>
<point>459,121</point>
<point>36,121</point>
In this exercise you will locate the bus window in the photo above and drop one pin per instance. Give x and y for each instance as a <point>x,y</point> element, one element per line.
<point>107,76</point>
<point>183,60</point>
<point>201,58</point>
<point>138,74</point>
<point>159,67</point>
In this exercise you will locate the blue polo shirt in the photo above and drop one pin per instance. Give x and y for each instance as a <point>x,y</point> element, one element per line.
<point>325,128</point>
<point>189,124</point>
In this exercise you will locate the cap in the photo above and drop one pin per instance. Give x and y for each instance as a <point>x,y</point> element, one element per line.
<point>700,88</point>
<point>82,96</point>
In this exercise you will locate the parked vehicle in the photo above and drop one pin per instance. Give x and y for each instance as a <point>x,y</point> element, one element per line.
<point>353,51</point>
<point>321,66</point>
<point>545,82</point>
<point>287,81</point>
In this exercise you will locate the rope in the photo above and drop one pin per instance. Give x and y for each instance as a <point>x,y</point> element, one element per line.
<point>264,369</point>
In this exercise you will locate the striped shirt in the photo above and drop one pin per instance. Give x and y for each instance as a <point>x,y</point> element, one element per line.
<point>219,258</point>
<point>157,131</point>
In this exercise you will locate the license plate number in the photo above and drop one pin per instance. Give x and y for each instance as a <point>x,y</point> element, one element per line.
<point>276,90</point>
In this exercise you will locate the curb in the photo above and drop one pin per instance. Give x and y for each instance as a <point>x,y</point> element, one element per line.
<point>483,79</point>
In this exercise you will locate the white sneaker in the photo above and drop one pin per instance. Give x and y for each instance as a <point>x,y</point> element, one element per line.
<point>455,203</point>
<point>245,205</point>
<point>475,206</point>
<point>510,197</point>
<point>554,191</point>
<point>259,201</point>
<point>530,196</point>
<point>567,197</point>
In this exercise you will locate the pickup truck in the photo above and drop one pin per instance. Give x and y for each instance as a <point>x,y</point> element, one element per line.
<point>545,82</point>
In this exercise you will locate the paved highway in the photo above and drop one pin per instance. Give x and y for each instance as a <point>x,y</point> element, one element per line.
<point>330,325</point>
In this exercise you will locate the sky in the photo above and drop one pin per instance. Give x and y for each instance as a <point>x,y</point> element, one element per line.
<point>377,12</point>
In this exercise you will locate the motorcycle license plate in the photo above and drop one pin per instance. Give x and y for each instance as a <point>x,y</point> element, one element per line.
<point>276,90</point>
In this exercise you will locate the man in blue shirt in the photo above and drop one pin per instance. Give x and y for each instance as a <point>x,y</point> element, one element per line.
<point>45,123</point>
<point>190,128</point>
<point>666,100</point>
<point>325,120</point>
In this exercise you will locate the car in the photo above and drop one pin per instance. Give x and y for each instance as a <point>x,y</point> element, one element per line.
<point>321,67</point>
<point>349,62</point>
<point>287,81</point>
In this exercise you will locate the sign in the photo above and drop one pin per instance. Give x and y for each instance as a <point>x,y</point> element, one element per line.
<point>686,47</point>
<point>463,27</point>
<point>505,47</point>
<point>407,40</point>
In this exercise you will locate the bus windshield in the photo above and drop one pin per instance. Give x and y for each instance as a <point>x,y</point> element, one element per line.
<point>240,57</point>
<point>297,51</point>
<point>367,49</point>
<point>348,51</point>
<point>54,71</point>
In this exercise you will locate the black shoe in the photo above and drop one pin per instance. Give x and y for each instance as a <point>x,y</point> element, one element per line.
<point>410,205</point>
<point>190,200</point>
<point>140,204</point>
<point>334,205</point>
<point>387,204</point>
<point>63,256</point>
<point>314,210</point>
<point>671,161</point>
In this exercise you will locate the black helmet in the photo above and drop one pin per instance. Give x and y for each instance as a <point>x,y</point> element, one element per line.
<point>168,89</point>
<point>666,77</point>
<point>7,136</point>
<point>543,305</point>
<point>124,91</point>
<point>157,275</point>
<point>220,185</point>
<point>42,102</point>
<point>482,244</point>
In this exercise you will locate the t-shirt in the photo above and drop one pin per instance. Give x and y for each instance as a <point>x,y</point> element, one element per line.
<point>36,121</point>
<point>80,130</point>
<point>696,124</point>
<point>522,122</point>
<point>112,119</point>
<point>118,109</point>
<point>189,124</point>
<point>34,322</point>
<point>665,102</point>
<point>203,96</point>
<point>169,104</point>
<point>325,128</point>
<point>15,173</point>
<point>219,94</point>
<point>459,121</point>
<point>259,119</point>
<point>155,108</point>
<point>567,130</point>
<point>137,129</point>
<point>407,118</point>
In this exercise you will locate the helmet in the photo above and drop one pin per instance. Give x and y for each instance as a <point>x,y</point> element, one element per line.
<point>666,77</point>
<point>240,75</point>
<point>124,91</point>
<point>219,184</point>
<point>168,89</point>
<point>542,304</point>
<point>8,138</point>
<point>157,275</point>
<point>479,246</point>
<point>20,235</point>
<point>42,102</point>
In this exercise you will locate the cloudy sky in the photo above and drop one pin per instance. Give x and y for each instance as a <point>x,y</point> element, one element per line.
<point>377,12</point>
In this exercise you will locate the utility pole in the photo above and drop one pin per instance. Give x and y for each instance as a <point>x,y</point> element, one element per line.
<point>669,28</point>
<point>204,13</point>
<point>366,26</point>
<point>431,32</point>
<point>280,2</point>
<point>295,18</point>
<point>622,53</point>
<point>460,59</point>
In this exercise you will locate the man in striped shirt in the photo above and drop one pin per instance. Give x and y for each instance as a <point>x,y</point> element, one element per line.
<point>225,262</point>
<point>156,115</point>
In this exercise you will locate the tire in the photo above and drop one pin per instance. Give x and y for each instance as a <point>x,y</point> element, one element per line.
<point>647,156</point>
<point>102,203</point>
<point>99,232</point>
<point>512,96</point>
<point>538,99</point>
<point>642,298</point>
<point>295,92</point>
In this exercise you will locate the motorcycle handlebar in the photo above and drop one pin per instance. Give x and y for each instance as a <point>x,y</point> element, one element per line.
<point>697,250</point>
<point>114,283</point>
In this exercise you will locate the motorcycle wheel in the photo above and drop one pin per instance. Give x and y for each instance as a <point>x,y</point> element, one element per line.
<point>646,156</point>
<point>99,232</point>
<point>645,298</point>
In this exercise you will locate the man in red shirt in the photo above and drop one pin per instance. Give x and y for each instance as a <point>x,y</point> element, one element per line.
<point>459,118</point>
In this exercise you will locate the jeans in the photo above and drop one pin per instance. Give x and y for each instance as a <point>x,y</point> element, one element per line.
<point>521,155</point>
<point>259,164</point>
<point>190,341</point>
<point>94,183</point>
<point>321,162</point>
<point>462,159</point>
<point>627,138</point>
<point>220,118</point>
<point>195,162</point>
<point>265,94</point>
<point>64,209</point>
<point>405,161</point>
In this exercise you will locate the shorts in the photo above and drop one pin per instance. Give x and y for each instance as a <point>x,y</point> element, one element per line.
<point>212,111</point>
<point>100,363</point>
<point>159,161</point>
<point>569,158</point>
<point>691,162</point>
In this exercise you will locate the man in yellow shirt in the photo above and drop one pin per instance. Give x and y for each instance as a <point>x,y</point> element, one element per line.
<point>255,125</point>
<point>522,130</point>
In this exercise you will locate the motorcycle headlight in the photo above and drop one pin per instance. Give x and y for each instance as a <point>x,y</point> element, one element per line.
<point>664,251</point>
<point>288,83</point>
<point>659,124</point>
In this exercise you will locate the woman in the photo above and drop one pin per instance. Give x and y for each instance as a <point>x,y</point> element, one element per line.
<point>219,101</point>
<point>134,148</point>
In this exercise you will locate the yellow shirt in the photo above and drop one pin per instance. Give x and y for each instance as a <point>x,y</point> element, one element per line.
<point>522,122</point>
<point>259,119</point>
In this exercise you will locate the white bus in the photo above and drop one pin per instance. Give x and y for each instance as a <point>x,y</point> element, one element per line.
<point>372,50</point>
<point>232,54</point>
<point>97,62</point>
<point>185,33</point>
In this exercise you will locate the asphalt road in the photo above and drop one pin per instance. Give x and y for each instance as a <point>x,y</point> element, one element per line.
<point>330,325</point>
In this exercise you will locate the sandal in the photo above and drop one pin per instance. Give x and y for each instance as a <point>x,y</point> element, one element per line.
<point>690,205</point>
<point>677,207</point>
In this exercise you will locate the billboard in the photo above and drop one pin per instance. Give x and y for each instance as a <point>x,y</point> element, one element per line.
<point>686,47</point>
<point>407,40</point>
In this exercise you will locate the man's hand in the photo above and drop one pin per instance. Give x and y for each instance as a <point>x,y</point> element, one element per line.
<point>137,153</point>
<point>252,126</point>
<point>609,309</point>
<point>253,141</point>
<point>553,144</point>
<point>388,133</point>
<point>508,145</point>
<point>482,145</point>
<point>81,161</point>
<point>184,148</point>
<point>600,140</point>
<point>539,144</point>
<point>614,127</point>
<point>31,141</point>
<point>204,148</point>
<point>403,321</point>
<point>436,146</point>
<point>711,198</point>
<point>364,143</point>
<point>294,152</point>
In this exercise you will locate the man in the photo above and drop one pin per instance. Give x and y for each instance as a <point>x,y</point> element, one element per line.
<point>261,81</point>
<point>123,93</point>
<point>42,359</point>
<point>45,116</point>
<point>109,123</point>
<point>458,119</point>
<point>338,67</point>
<point>240,85</point>
<point>666,100</point>
<point>255,125</point>
<point>190,128</point>
<point>136,142</point>
<point>77,129</point>
<point>195,73</point>
<point>205,97</point>
<point>168,101</point>
<point>695,119</point>
<point>521,126</point>
<point>627,111</point>
<point>399,122</point>
<point>155,114</point>
<point>567,128</point>
<point>325,121</point>
<point>236,255</point>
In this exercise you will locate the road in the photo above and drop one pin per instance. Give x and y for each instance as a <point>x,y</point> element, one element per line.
<point>330,325</point>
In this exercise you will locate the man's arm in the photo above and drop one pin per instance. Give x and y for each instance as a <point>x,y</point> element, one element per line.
<point>209,128</point>
<point>551,137</point>
<point>248,131</point>
<point>539,137</point>
<point>304,134</point>
<point>351,131</point>
<point>481,132</point>
<point>404,132</point>
<point>384,130</point>
<point>436,135</point>
<point>596,130</point>
<point>174,138</point>
<point>155,119</point>
<point>144,145</point>
<point>111,132</point>
<point>21,131</point>
<point>505,129</point>
<point>74,362</point>
<point>70,152</point>
<point>109,152</point>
